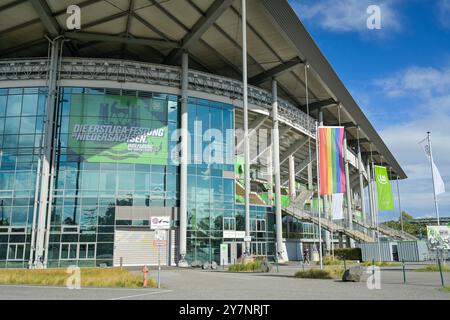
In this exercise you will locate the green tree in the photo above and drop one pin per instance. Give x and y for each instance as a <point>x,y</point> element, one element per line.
<point>407,225</point>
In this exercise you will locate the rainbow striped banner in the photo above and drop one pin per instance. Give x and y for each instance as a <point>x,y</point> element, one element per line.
<point>332,176</point>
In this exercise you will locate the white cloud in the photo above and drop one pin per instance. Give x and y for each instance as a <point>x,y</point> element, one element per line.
<point>430,89</point>
<point>417,81</point>
<point>346,15</point>
<point>444,13</point>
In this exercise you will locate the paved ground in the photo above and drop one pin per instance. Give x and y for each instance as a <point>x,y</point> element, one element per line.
<point>198,284</point>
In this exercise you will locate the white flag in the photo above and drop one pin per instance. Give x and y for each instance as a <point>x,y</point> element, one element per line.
<point>338,201</point>
<point>439,186</point>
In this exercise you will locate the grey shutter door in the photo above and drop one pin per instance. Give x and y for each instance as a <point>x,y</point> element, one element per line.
<point>136,248</point>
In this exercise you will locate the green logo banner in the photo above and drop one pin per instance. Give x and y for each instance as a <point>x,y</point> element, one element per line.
<point>121,129</point>
<point>384,192</point>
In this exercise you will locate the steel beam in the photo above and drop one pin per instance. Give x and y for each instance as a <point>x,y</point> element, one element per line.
<point>91,36</point>
<point>275,71</point>
<point>255,125</point>
<point>200,27</point>
<point>282,132</point>
<point>319,105</point>
<point>292,149</point>
<point>45,14</point>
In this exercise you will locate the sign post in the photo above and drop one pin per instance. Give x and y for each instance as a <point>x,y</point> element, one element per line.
<point>160,225</point>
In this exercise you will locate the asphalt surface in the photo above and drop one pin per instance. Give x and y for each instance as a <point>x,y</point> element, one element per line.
<point>196,284</point>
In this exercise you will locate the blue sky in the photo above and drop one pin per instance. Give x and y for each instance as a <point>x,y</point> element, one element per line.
<point>399,75</point>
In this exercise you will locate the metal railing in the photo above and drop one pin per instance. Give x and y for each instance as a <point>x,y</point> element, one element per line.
<point>154,74</point>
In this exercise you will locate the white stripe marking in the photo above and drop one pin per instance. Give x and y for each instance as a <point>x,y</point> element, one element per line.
<point>140,295</point>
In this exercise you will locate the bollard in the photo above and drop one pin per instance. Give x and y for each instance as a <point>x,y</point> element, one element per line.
<point>145,273</point>
<point>440,271</point>
<point>121,262</point>
<point>373,266</point>
<point>404,271</point>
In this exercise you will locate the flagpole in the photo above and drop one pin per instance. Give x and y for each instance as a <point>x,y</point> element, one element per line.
<point>318,196</point>
<point>400,204</point>
<point>432,176</point>
<point>376,211</point>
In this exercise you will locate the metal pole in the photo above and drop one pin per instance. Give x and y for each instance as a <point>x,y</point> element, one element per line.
<point>370,194</point>
<point>440,270</point>
<point>318,196</point>
<point>347,187</point>
<point>184,158</point>
<point>276,170</point>
<point>399,204</point>
<point>376,213</point>
<point>247,184</point>
<point>44,205</point>
<point>361,183</point>
<point>404,271</point>
<point>35,205</point>
<point>432,176</point>
<point>159,266</point>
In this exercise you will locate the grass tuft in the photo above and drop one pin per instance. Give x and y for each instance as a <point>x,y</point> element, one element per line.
<point>381,264</point>
<point>254,266</point>
<point>327,273</point>
<point>433,268</point>
<point>90,277</point>
<point>328,261</point>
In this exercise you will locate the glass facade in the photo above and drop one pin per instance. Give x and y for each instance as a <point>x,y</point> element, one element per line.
<point>211,195</point>
<point>21,129</point>
<point>96,175</point>
<point>89,188</point>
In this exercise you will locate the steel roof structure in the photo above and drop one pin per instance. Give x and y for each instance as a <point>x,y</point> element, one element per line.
<point>158,31</point>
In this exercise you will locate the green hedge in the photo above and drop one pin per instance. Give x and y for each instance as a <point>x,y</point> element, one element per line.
<point>348,254</point>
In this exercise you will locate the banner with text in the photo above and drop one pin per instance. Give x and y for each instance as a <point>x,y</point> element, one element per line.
<point>122,129</point>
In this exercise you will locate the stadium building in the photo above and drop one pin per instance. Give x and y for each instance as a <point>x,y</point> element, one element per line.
<point>149,111</point>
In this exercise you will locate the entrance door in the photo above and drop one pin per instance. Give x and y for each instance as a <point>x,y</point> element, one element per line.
<point>395,252</point>
<point>235,250</point>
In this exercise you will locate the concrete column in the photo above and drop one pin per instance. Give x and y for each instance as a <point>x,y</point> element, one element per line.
<point>292,192</point>
<point>270,173</point>
<point>310,175</point>
<point>347,187</point>
<point>276,168</point>
<point>184,158</point>
<point>45,207</point>
<point>247,183</point>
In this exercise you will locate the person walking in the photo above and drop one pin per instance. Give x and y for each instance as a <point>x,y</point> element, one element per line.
<point>306,256</point>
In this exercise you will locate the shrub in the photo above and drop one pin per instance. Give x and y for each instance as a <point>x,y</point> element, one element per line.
<point>348,254</point>
<point>327,273</point>
<point>254,266</point>
<point>328,261</point>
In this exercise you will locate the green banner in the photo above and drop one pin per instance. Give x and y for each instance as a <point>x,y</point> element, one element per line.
<point>121,129</point>
<point>384,192</point>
